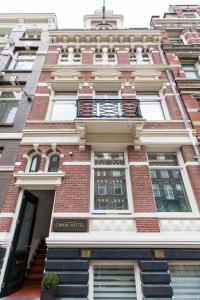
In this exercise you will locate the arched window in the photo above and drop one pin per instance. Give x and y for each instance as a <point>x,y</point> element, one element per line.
<point>35,163</point>
<point>54,163</point>
<point>64,58</point>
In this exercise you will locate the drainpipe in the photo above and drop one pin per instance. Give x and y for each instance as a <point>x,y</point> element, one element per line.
<point>180,105</point>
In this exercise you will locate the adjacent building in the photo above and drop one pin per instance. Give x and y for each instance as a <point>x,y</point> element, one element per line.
<point>105,186</point>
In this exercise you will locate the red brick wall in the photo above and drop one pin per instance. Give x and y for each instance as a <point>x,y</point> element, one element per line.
<point>147,225</point>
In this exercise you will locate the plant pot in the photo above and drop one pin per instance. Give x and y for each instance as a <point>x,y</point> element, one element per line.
<point>47,294</point>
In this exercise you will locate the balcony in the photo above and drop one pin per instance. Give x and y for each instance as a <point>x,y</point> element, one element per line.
<point>109,121</point>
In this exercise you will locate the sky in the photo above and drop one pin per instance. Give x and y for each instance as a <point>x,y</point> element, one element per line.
<point>137,13</point>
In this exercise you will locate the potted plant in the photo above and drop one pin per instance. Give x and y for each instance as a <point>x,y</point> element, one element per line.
<point>49,283</point>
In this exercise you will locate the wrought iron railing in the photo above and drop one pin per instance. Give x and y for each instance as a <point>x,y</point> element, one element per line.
<point>108,108</point>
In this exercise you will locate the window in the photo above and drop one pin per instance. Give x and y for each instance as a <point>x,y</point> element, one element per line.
<point>176,40</point>
<point>143,58</point>
<point>189,15</point>
<point>112,281</point>
<point>9,102</point>
<point>54,163</point>
<point>24,60</point>
<point>146,59</point>
<point>133,59</point>
<point>150,105</point>
<point>1,151</point>
<point>110,182</point>
<point>35,163</point>
<point>98,58</point>
<point>63,106</point>
<point>167,183</point>
<point>64,58</point>
<point>77,58</point>
<point>185,281</point>
<point>111,58</point>
<point>190,71</point>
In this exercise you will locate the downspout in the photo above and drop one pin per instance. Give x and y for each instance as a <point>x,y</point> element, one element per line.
<point>180,105</point>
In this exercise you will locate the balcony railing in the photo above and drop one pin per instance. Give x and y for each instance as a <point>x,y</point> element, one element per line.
<point>108,108</point>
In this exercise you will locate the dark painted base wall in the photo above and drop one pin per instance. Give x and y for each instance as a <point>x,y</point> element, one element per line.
<point>155,279</point>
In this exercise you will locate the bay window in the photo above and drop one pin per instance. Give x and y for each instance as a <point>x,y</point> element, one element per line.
<point>167,183</point>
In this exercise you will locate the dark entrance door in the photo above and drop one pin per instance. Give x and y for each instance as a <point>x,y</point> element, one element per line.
<point>17,261</point>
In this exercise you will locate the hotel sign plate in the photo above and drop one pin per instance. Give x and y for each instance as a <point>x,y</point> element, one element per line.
<point>70,225</point>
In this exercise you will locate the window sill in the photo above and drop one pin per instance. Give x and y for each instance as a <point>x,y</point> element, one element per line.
<point>30,39</point>
<point>6,124</point>
<point>16,71</point>
<point>111,212</point>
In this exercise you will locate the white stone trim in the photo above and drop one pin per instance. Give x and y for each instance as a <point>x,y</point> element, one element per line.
<point>6,168</point>
<point>138,163</point>
<point>77,163</point>
<point>7,215</point>
<point>10,136</point>
<point>43,180</point>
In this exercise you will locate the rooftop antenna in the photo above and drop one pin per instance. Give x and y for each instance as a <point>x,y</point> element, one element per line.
<point>104,9</point>
<point>103,24</point>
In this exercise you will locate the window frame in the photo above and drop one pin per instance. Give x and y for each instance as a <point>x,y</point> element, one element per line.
<point>16,99</point>
<point>15,60</point>
<point>48,160</point>
<point>30,159</point>
<point>185,179</point>
<point>193,70</point>
<point>125,167</point>
<point>183,263</point>
<point>53,99</point>
<point>133,263</point>
<point>161,100</point>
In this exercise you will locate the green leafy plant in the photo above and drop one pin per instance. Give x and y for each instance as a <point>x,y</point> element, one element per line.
<point>50,281</point>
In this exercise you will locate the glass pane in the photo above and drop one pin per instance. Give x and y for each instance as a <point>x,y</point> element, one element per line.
<point>151,110</point>
<point>185,280</point>
<point>8,110</point>
<point>23,65</point>
<point>109,159</point>
<point>106,95</point>
<point>110,191</point>
<point>162,159</point>
<point>114,282</point>
<point>169,191</point>
<point>63,110</point>
<point>26,227</point>
<point>191,75</point>
<point>66,95</point>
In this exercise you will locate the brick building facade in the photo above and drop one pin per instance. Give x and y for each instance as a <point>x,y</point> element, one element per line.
<point>107,171</point>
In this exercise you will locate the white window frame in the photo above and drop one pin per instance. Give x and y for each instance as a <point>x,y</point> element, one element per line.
<point>16,99</point>
<point>186,182</point>
<point>195,70</point>
<point>16,59</point>
<point>128,183</point>
<point>52,99</point>
<point>163,105</point>
<point>133,263</point>
<point>29,160</point>
<point>48,157</point>
<point>70,58</point>
<point>138,58</point>
<point>183,263</point>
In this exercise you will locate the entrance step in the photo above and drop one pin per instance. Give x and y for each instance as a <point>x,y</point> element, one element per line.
<point>35,273</point>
